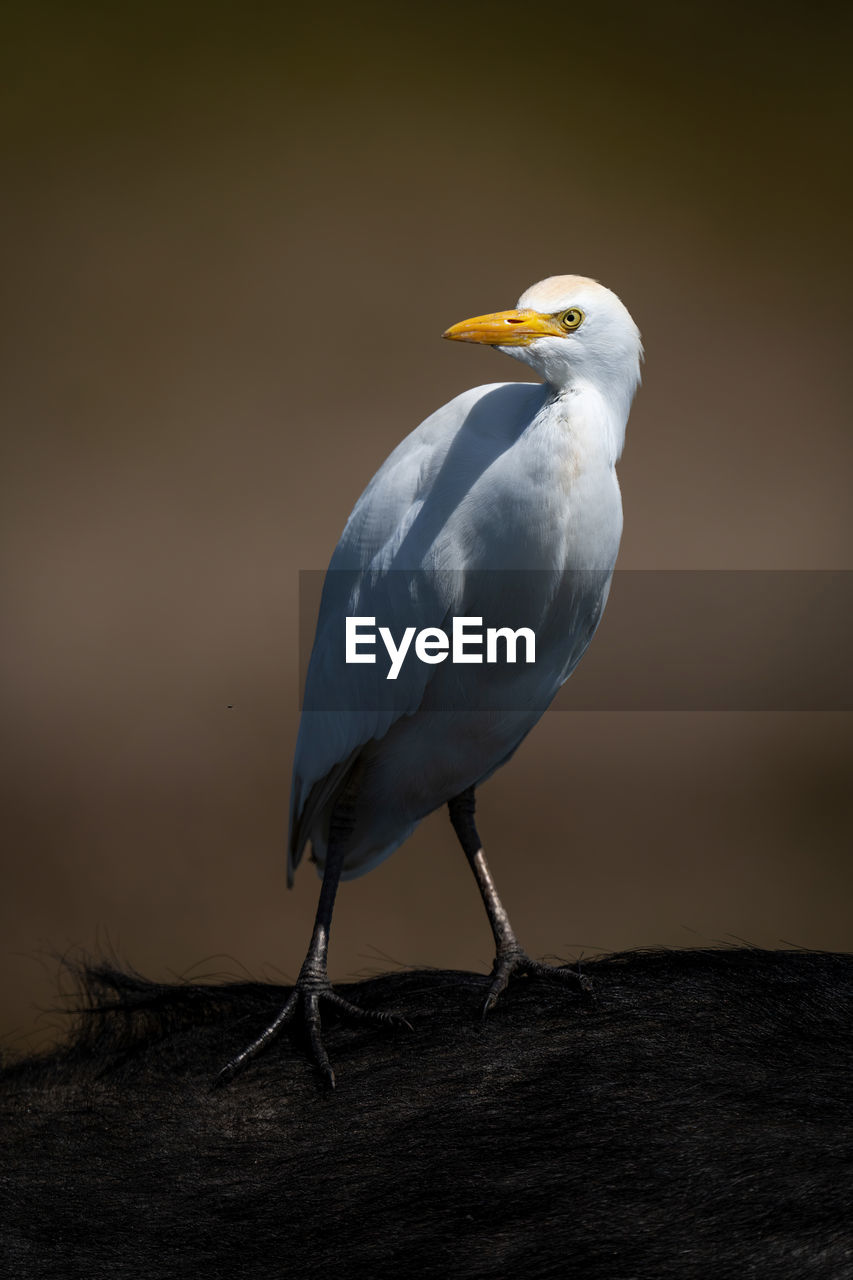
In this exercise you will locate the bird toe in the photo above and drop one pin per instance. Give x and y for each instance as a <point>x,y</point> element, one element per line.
<point>515,962</point>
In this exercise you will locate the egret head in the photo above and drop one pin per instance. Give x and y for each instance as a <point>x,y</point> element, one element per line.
<point>569,329</point>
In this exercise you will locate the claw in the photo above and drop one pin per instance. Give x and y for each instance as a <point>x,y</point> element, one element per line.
<point>307,995</point>
<point>515,961</point>
<point>377,1015</point>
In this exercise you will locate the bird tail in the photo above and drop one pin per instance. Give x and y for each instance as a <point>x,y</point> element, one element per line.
<point>361,860</point>
<point>309,814</point>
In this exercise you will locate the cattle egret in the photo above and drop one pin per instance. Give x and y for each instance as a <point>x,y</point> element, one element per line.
<point>503,503</point>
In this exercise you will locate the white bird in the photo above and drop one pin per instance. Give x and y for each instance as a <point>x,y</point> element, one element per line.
<point>502,505</point>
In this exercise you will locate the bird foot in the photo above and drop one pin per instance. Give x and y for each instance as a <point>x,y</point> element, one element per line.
<point>304,1003</point>
<point>513,961</point>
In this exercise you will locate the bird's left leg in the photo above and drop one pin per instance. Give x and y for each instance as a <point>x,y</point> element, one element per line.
<point>510,957</point>
<point>313,985</point>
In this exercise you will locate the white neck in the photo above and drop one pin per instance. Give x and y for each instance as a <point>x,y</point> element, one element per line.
<point>604,415</point>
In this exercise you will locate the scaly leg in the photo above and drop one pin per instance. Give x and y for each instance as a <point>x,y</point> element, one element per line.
<point>510,957</point>
<point>313,985</point>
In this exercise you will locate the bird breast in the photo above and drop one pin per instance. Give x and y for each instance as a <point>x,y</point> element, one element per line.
<point>549,501</point>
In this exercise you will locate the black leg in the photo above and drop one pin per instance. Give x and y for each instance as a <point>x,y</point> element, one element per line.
<point>510,956</point>
<point>312,985</point>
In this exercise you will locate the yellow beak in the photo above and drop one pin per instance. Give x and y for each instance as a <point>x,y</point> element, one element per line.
<point>506,329</point>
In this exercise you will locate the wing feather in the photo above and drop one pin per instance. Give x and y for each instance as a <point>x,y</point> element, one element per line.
<point>392,527</point>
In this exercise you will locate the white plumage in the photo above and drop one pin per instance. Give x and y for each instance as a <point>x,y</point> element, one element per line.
<point>508,476</point>
<point>502,505</point>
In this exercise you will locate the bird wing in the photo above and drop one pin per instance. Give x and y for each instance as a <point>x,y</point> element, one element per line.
<point>392,533</point>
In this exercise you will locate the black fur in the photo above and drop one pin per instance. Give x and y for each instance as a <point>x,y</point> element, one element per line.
<point>694,1121</point>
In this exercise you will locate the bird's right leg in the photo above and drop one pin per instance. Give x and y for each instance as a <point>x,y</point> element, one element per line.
<point>313,985</point>
<point>510,956</point>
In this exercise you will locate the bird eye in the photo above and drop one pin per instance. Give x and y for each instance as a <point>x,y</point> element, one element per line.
<point>572,318</point>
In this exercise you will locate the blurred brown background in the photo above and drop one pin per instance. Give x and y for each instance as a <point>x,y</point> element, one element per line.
<point>233,235</point>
